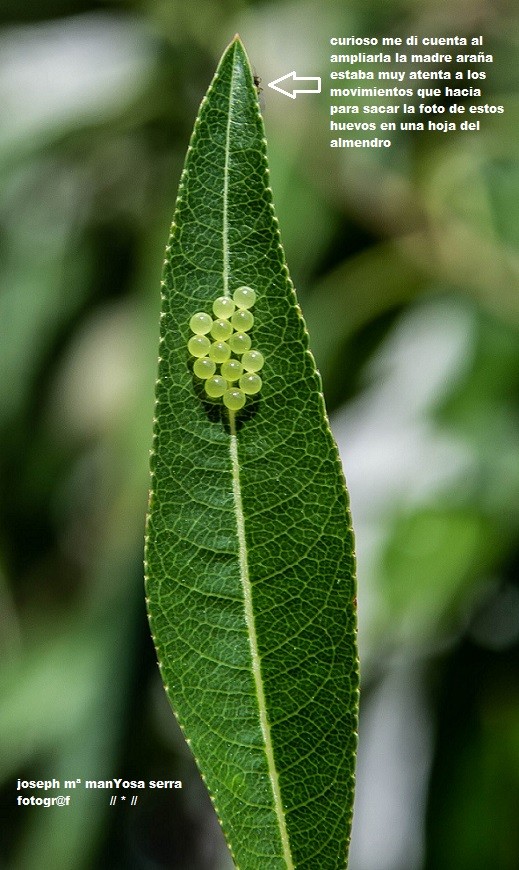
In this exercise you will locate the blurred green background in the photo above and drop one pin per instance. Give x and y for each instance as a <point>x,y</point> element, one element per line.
<point>407,267</point>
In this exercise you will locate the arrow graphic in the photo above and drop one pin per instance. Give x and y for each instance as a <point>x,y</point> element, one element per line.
<point>295,91</point>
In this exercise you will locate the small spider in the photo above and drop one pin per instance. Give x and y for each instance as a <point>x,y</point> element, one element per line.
<point>259,90</point>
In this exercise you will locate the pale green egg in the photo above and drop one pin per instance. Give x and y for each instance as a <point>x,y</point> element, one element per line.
<point>201,323</point>
<point>209,355</point>
<point>252,361</point>
<point>219,351</point>
<point>239,342</point>
<point>216,386</point>
<point>234,399</point>
<point>204,368</point>
<point>242,320</point>
<point>221,330</point>
<point>250,383</point>
<point>198,345</point>
<point>223,307</point>
<point>244,297</point>
<point>231,370</point>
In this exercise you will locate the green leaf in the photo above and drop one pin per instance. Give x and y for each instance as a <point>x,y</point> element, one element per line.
<point>249,557</point>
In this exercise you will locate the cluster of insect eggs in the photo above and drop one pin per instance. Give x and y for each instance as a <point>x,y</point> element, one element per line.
<point>222,347</point>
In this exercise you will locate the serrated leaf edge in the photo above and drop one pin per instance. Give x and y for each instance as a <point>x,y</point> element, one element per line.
<point>238,508</point>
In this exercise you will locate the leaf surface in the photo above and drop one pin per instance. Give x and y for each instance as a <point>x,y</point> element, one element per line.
<point>249,552</point>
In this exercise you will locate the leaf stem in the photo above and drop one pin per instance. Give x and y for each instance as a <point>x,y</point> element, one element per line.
<point>255,656</point>
<point>225,216</point>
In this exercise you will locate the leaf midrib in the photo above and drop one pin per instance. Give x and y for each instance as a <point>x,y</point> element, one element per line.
<point>242,543</point>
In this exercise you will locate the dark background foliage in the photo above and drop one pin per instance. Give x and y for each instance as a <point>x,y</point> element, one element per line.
<point>406,263</point>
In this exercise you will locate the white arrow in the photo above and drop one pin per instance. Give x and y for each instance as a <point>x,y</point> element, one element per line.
<point>292,94</point>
